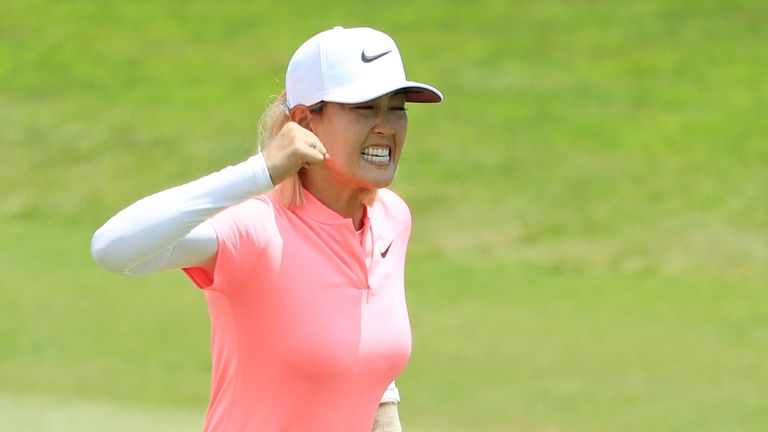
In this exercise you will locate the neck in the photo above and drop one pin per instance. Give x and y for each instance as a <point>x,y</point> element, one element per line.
<point>348,203</point>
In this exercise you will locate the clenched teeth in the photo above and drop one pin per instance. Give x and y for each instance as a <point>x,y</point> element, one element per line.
<point>376,151</point>
<point>376,155</point>
<point>376,159</point>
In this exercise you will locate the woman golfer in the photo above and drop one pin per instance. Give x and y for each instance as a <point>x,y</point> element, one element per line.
<point>300,250</point>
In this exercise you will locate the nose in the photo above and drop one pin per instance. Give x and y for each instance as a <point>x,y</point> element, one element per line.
<point>383,125</point>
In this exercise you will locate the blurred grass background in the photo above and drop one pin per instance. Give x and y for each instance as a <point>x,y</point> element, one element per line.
<point>590,250</point>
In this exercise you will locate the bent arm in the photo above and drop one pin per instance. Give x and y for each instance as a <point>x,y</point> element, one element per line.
<point>167,230</point>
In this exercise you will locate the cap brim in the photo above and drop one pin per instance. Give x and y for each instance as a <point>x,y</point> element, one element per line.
<point>414,92</point>
<point>422,93</point>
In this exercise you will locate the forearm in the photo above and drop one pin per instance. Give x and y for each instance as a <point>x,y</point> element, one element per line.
<point>153,226</point>
<point>387,418</point>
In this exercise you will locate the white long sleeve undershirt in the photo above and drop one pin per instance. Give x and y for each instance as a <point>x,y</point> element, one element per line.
<point>168,230</point>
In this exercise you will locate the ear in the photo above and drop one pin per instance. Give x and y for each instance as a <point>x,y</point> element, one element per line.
<point>301,115</point>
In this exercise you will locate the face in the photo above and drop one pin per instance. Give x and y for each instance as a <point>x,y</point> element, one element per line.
<point>364,140</point>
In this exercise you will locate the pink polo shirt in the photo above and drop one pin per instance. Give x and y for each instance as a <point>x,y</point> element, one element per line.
<point>308,325</point>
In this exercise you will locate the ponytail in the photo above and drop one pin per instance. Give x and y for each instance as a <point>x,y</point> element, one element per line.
<point>289,192</point>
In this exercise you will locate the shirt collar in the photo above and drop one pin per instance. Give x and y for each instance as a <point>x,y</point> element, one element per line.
<point>316,210</point>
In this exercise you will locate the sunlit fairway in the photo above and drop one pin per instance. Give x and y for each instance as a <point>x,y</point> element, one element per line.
<point>590,202</point>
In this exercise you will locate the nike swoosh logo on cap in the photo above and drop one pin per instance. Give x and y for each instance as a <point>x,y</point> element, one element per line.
<point>368,59</point>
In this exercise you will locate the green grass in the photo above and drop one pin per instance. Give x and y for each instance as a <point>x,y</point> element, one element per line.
<point>589,249</point>
<point>24,413</point>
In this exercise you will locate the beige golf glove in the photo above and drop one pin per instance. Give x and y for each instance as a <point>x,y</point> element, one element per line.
<point>387,418</point>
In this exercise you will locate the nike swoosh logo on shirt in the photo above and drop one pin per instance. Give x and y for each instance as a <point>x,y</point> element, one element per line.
<point>368,59</point>
<point>386,251</point>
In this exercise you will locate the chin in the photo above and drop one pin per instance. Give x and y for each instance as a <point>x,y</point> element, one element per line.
<point>379,182</point>
<point>379,178</point>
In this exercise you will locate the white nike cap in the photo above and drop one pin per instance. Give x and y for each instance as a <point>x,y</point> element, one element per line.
<point>350,66</point>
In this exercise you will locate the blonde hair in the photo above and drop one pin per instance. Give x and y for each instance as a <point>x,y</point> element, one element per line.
<point>290,192</point>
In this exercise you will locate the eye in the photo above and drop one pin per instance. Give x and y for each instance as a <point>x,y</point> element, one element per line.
<point>399,108</point>
<point>364,107</point>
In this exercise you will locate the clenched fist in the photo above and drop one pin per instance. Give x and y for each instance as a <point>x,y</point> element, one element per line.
<point>292,148</point>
